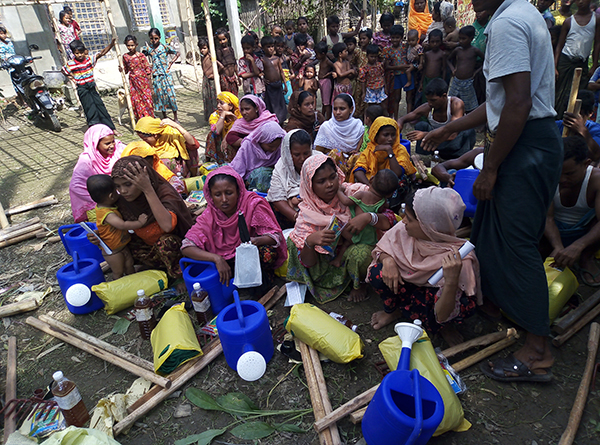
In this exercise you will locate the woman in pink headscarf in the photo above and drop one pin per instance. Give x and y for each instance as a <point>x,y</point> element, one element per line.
<point>254,114</point>
<point>409,254</point>
<point>215,236</point>
<point>100,152</point>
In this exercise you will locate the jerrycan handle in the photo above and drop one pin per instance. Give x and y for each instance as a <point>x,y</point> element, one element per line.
<point>238,307</point>
<point>76,262</point>
<point>416,433</point>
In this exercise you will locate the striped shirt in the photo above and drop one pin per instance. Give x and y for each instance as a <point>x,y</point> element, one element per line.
<point>82,72</point>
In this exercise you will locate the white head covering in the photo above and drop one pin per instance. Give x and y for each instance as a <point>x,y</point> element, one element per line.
<point>285,182</point>
<point>343,135</point>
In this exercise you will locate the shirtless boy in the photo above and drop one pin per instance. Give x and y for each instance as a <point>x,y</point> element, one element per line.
<point>434,62</point>
<point>344,70</point>
<point>274,80</point>
<point>463,64</point>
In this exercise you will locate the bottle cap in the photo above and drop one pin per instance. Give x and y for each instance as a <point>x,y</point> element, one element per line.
<point>197,286</point>
<point>417,322</point>
<point>436,152</point>
<point>58,376</point>
<point>141,293</point>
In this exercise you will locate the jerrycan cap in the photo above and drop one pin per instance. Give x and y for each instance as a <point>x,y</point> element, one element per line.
<point>78,294</point>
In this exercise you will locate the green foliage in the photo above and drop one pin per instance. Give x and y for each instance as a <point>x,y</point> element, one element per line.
<point>243,407</point>
<point>121,326</point>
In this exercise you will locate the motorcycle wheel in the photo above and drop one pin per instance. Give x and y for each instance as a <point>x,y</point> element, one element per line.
<point>55,123</point>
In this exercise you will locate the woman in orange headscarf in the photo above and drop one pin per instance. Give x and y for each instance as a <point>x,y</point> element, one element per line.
<point>419,17</point>
<point>221,121</point>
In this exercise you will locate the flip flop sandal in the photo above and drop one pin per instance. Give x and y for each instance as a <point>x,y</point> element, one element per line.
<point>515,366</point>
<point>592,283</point>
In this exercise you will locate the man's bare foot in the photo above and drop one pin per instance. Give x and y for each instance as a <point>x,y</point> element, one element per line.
<point>451,335</point>
<point>358,295</point>
<point>381,319</point>
<point>535,355</point>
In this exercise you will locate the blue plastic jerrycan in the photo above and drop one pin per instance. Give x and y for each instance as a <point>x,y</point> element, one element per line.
<point>76,279</point>
<point>206,273</point>
<point>463,184</point>
<point>74,238</point>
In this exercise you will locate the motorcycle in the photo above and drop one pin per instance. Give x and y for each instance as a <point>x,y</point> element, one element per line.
<point>32,88</point>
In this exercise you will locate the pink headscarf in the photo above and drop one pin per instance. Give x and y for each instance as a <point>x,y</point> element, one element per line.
<point>216,233</point>
<point>251,156</point>
<point>439,212</point>
<point>242,126</point>
<point>91,162</point>
<point>315,214</point>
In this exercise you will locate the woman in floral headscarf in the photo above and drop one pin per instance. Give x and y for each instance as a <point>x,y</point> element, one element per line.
<point>309,262</point>
<point>221,121</point>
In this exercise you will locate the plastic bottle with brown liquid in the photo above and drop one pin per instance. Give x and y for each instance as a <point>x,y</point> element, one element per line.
<point>343,320</point>
<point>201,304</point>
<point>69,400</point>
<point>144,314</point>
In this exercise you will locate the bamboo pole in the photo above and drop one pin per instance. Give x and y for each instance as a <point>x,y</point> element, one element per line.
<point>18,226</point>
<point>484,353</point>
<point>44,202</point>
<point>97,342</point>
<point>63,57</point>
<point>565,322</point>
<point>576,327</point>
<point>98,352</point>
<point>189,10</point>
<point>10,422</point>
<point>484,340</point>
<point>573,95</point>
<point>19,232</point>
<point>352,405</point>
<point>113,29</point>
<point>211,45</point>
<point>18,239</point>
<point>29,304</point>
<point>568,436</point>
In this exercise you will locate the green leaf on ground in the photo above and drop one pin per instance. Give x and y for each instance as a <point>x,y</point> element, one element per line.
<point>202,399</point>
<point>236,401</point>
<point>121,326</point>
<point>252,430</point>
<point>204,438</point>
<point>289,428</point>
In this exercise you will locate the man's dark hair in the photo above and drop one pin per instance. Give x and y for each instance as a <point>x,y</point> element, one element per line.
<point>437,87</point>
<point>576,148</point>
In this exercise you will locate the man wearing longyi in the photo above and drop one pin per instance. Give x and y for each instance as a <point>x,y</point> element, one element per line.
<point>521,170</point>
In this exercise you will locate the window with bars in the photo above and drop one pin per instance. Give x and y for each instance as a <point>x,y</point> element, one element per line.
<point>140,13</point>
<point>94,29</point>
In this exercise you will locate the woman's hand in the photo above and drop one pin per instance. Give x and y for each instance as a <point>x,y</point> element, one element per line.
<point>138,176</point>
<point>390,274</point>
<point>358,223</point>
<point>321,238</point>
<point>223,269</point>
<point>387,148</point>
<point>166,122</point>
<point>452,265</point>
<point>143,219</point>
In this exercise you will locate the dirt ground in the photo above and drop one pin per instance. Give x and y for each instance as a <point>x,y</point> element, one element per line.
<point>35,163</point>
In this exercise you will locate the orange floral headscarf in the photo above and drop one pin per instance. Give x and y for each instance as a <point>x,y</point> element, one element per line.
<point>419,20</point>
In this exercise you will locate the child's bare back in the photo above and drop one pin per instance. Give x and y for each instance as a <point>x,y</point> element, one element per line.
<point>434,64</point>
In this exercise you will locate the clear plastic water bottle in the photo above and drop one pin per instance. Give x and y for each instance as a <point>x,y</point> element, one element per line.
<point>201,304</point>
<point>436,159</point>
<point>69,400</point>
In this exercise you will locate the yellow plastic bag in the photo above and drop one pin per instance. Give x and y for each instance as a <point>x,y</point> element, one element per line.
<point>80,436</point>
<point>174,340</point>
<point>562,284</point>
<point>281,271</point>
<point>424,359</point>
<point>195,183</point>
<point>318,330</point>
<point>207,167</point>
<point>122,293</point>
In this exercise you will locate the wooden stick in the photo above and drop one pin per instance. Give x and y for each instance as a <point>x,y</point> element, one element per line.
<point>29,304</point>
<point>44,202</point>
<point>211,46</point>
<point>18,239</point>
<point>576,327</point>
<point>117,48</point>
<point>178,382</point>
<point>356,416</point>
<point>19,232</point>
<point>3,220</point>
<point>318,373</point>
<point>348,407</point>
<point>99,343</point>
<point>573,95</point>
<point>484,353</point>
<point>10,422</point>
<point>98,352</point>
<point>325,437</point>
<point>272,297</point>
<point>14,227</point>
<point>567,321</point>
<point>484,340</point>
<point>568,436</point>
